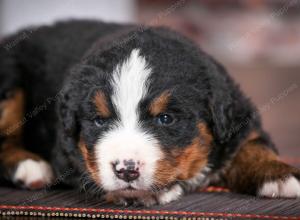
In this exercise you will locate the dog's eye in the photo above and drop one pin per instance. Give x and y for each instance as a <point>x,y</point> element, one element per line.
<point>165,119</point>
<point>99,122</point>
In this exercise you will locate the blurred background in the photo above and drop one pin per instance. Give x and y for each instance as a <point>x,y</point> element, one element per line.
<point>258,41</point>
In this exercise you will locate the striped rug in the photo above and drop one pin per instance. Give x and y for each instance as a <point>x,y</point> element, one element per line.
<point>212,203</point>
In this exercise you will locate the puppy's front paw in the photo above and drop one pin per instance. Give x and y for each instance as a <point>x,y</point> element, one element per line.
<point>282,188</point>
<point>33,174</point>
<point>171,195</point>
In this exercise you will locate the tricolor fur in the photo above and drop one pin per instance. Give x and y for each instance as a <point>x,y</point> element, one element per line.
<point>139,115</point>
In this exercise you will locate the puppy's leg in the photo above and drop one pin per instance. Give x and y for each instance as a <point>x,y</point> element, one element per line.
<point>256,169</point>
<point>19,165</point>
<point>24,168</point>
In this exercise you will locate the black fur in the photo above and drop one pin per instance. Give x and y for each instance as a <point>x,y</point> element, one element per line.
<point>61,66</point>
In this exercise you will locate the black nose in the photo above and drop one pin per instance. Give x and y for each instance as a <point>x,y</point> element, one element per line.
<point>127,171</point>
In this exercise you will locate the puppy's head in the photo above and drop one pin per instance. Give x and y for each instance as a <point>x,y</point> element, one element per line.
<point>140,115</point>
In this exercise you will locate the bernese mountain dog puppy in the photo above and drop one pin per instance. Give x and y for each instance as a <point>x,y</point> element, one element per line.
<point>138,114</point>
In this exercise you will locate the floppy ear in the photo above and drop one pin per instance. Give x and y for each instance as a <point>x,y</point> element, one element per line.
<point>221,113</point>
<point>67,113</point>
<point>231,112</point>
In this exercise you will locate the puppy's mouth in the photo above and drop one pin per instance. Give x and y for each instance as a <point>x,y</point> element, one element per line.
<point>132,187</point>
<point>131,190</point>
<point>130,193</point>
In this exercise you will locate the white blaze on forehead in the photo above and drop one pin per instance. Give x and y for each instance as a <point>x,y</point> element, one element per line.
<point>127,140</point>
<point>129,83</point>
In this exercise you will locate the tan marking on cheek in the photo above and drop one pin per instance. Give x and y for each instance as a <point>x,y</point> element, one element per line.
<point>12,114</point>
<point>159,104</point>
<point>101,104</point>
<point>205,134</point>
<point>192,160</point>
<point>195,157</point>
<point>185,164</point>
<point>165,172</point>
<point>90,162</point>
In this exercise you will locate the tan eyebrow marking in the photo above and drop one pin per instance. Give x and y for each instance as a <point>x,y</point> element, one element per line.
<point>101,104</point>
<point>159,104</point>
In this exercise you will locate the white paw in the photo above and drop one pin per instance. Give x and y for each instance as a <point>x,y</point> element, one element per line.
<point>288,188</point>
<point>33,174</point>
<point>171,195</point>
